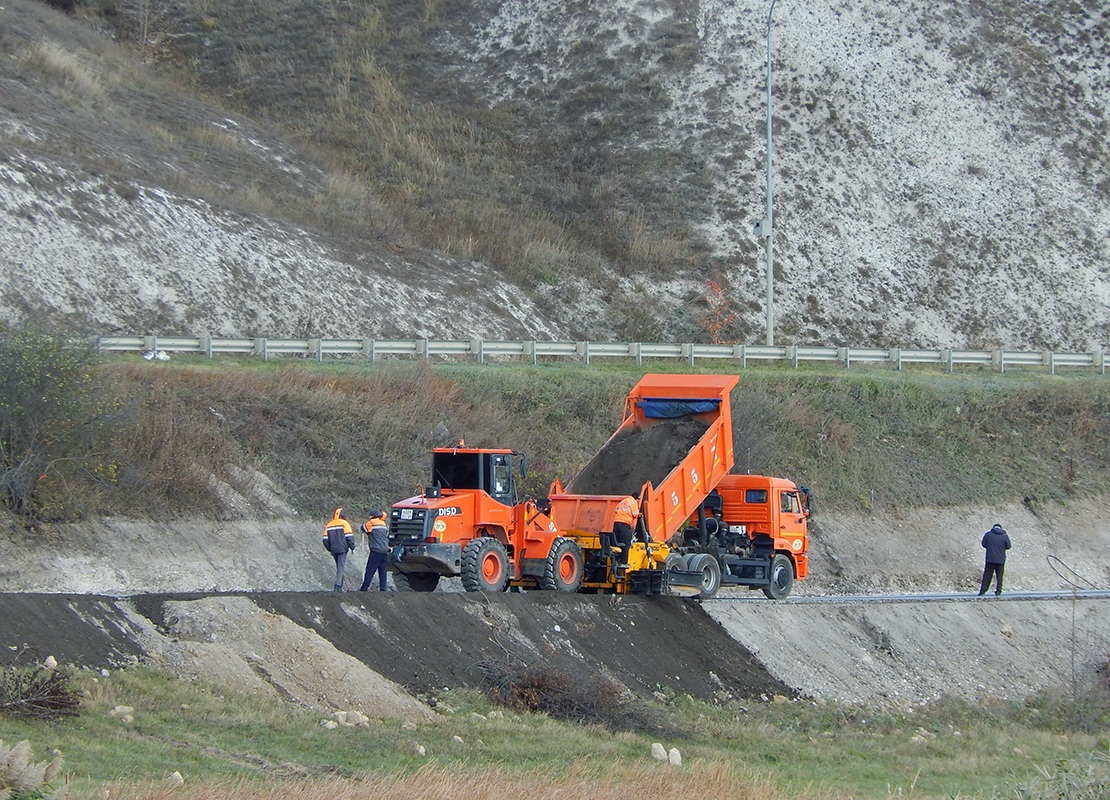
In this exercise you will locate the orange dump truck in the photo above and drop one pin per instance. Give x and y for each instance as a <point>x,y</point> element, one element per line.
<point>672,450</point>
<point>673,446</point>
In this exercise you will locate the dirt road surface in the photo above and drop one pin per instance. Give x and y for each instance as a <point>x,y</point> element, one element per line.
<point>243,604</point>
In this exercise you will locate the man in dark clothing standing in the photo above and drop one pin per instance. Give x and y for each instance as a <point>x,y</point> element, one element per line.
<point>997,542</point>
<point>377,532</point>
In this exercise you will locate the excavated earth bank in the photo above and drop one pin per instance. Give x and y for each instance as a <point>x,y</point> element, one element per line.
<point>242,604</point>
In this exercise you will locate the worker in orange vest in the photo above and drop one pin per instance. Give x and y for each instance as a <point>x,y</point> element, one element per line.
<point>624,523</point>
<point>339,540</point>
<point>377,536</point>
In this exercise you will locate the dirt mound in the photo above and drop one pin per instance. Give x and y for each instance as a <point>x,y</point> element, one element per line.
<point>845,650</point>
<point>372,652</point>
<point>638,455</point>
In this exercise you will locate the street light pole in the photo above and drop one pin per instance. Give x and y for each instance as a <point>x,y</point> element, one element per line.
<point>768,227</point>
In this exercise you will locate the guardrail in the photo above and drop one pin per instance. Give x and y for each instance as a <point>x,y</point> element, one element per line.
<point>481,350</point>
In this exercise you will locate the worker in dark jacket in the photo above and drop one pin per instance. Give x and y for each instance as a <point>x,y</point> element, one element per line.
<point>339,540</point>
<point>997,542</point>
<point>377,534</point>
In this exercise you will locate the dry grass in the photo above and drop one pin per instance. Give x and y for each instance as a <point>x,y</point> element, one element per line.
<point>342,433</point>
<point>65,68</point>
<point>580,781</point>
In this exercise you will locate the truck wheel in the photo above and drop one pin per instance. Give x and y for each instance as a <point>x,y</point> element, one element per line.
<point>416,581</point>
<point>710,574</point>
<point>485,565</point>
<point>563,570</point>
<point>782,578</point>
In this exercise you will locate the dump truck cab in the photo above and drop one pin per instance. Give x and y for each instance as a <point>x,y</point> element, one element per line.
<point>757,529</point>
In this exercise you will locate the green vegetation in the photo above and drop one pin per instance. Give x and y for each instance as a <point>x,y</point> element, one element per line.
<point>50,406</point>
<point>352,433</point>
<point>185,435</point>
<point>137,728</point>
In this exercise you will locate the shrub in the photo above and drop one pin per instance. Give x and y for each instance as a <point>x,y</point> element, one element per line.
<point>577,697</point>
<point>49,404</point>
<point>37,692</point>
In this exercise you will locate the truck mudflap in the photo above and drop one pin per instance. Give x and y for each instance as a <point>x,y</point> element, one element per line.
<point>442,559</point>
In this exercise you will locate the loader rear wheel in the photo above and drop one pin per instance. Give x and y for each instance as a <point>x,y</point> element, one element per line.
<point>563,570</point>
<point>782,578</point>
<point>416,581</point>
<point>710,574</point>
<point>485,565</point>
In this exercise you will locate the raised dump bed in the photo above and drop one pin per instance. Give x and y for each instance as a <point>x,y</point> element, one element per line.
<point>672,447</point>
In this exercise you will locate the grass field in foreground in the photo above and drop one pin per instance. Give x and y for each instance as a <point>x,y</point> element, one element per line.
<point>231,746</point>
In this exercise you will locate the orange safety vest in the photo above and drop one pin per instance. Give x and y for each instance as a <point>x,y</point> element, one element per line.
<point>628,510</point>
<point>375,522</point>
<point>337,521</point>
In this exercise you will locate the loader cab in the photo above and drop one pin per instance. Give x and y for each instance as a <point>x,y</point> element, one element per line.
<point>491,471</point>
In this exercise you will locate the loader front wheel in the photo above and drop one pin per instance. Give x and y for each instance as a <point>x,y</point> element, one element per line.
<point>710,574</point>
<point>416,581</point>
<point>563,570</point>
<point>485,565</point>
<point>782,578</point>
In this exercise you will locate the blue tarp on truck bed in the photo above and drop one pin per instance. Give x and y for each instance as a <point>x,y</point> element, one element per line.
<point>663,408</point>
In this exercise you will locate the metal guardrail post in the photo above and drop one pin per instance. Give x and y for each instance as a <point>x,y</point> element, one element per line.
<point>260,349</point>
<point>1050,358</point>
<point>998,357</point>
<point>583,349</point>
<point>368,349</point>
<point>947,356</point>
<point>530,350</point>
<point>422,348</point>
<point>634,349</point>
<point>478,347</point>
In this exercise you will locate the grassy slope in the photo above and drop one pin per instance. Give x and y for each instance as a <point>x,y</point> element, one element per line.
<point>229,747</point>
<point>360,434</point>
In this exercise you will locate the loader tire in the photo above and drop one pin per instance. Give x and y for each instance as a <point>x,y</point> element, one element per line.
<point>782,578</point>
<point>415,581</point>
<point>563,570</point>
<point>710,574</point>
<point>485,565</point>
